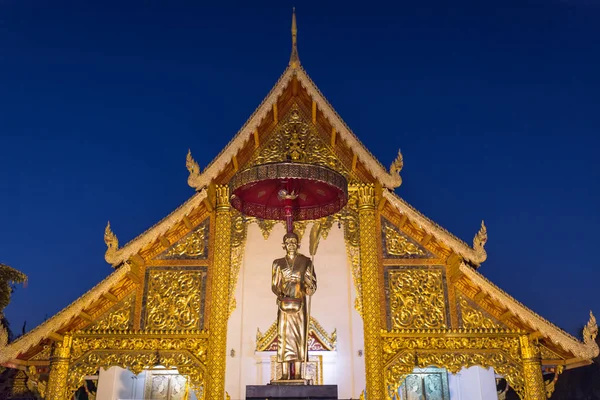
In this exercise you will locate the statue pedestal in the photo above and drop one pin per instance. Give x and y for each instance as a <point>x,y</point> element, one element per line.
<point>292,392</point>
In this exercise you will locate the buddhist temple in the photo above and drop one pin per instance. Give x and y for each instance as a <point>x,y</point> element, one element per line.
<point>402,310</point>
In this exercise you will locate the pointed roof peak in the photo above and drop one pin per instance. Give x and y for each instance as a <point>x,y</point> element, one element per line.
<point>294,59</point>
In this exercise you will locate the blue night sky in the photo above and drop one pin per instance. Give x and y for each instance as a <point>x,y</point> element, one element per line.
<point>495,106</point>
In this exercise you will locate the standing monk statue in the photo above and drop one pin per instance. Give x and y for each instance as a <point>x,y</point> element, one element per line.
<point>293,280</point>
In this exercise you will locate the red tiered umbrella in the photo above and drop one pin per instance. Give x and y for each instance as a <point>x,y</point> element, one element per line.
<point>288,191</point>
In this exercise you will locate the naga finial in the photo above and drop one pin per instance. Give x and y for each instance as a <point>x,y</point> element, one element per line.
<point>112,244</point>
<point>398,164</point>
<point>294,58</point>
<point>480,238</point>
<point>590,330</point>
<point>194,170</point>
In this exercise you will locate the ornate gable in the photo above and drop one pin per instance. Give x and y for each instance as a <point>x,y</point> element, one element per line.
<point>296,138</point>
<point>398,245</point>
<point>193,246</point>
<point>118,317</point>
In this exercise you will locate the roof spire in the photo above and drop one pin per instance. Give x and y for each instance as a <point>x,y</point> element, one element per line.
<point>294,59</point>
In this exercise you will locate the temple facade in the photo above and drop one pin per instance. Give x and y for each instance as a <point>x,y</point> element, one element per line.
<point>401,312</point>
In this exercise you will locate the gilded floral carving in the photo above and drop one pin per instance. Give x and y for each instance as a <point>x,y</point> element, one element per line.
<point>119,317</point>
<point>192,246</point>
<point>175,298</point>
<point>415,298</point>
<point>297,139</point>
<point>137,351</point>
<point>398,245</point>
<point>472,317</point>
<point>452,350</point>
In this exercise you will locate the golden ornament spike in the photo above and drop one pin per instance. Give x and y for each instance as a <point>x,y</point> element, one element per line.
<point>590,331</point>
<point>112,244</point>
<point>194,169</point>
<point>480,238</point>
<point>294,59</point>
<point>398,164</point>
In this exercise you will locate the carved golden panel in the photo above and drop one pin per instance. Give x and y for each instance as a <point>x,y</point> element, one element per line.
<point>118,317</point>
<point>416,297</point>
<point>398,245</point>
<point>297,139</point>
<point>194,245</point>
<point>138,351</point>
<point>452,349</point>
<point>174,298</point>
<point>473,317</point>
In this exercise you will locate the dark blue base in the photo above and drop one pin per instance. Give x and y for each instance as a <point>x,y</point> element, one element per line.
<point>292,392</point>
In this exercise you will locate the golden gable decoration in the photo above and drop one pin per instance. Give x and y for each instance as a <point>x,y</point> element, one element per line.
<point>194,245</point>
<point>297,139</point>
<point>118,317</point>
<point>416,297</point>
<point>472,317</point>
<point>174,298</point>
<point>399,245</point>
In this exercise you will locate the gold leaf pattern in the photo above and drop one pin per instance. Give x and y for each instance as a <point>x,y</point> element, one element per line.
<point>416,298</point>
<point>399,245</point>
<point>174,298</point>
<point>193,245</point>
<point>118,317</point>
<point>471,317</point>
<point>297,139</point>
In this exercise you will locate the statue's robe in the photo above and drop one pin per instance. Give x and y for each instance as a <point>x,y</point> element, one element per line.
<point>296,280</point>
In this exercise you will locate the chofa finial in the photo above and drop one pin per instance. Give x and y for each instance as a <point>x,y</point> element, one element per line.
<point>294,59</point>
<point>480,238</point>
<point>397,166</point>
<point>590,330</point>
<point>112,244</point>
<point>194,170</point>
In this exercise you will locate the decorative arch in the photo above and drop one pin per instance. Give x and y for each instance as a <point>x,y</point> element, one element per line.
<point>137,351</point>
<point>453,350</point>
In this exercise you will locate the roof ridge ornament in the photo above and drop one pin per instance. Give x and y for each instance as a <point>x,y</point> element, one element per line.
<point>194,169</point>
<point>397,166</point>
<point>590,331</point>
<point>294,58</point>
<point>112,244</point>
<point>480,239</point>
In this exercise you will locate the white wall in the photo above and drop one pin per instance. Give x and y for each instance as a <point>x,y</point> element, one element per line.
<point>332,306</point>
<point>118,383</point>
<point>474,383</point>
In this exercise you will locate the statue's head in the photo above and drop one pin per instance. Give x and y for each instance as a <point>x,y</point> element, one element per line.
<point>290,242</point>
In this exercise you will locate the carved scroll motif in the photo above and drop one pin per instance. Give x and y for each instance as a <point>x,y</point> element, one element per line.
<point>192,246</point>
<point>175,298</point>
<point>119,317</point>
<point>416,298</point>
<point>297,139</point>
<point>137,352</point>
<point>472,317</point>
<point>452,350</point>
<point>399,245</point>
